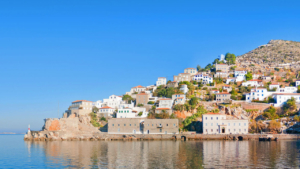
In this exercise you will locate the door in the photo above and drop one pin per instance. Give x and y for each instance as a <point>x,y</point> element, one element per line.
<point>223,130</point>
<point>134,132</point>
<point>148,132</point>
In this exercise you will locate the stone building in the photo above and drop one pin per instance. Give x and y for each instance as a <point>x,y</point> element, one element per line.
<point>142,126</point>
<point>80,107</point>
<point>222,67</point>
<point>142,98</point>
<point>216,123</point>
<point>221,97</point>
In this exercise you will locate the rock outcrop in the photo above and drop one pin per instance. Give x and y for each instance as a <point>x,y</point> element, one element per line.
<point>65,128</point>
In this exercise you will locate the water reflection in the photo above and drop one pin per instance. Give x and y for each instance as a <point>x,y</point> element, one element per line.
<point>167,154</point>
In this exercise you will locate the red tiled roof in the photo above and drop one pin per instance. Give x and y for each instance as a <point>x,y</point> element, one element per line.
<point>223,93</point>
<point>255,80</point>
<point>190,68</point>
<point>274,84</point>
<point>165,99</point>
<point>211,113</point>
<point>134,111</point>
<point>162,108</point>
<point>106,107</point>
<point>179,97</point>
<point>139,86</point>
<point>142,94</point>
<point>226,85</point>
<point>81,101</point>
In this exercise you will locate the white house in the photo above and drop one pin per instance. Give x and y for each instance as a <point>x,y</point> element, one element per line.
<point>274,86</point>
<point>125,113</point>
<point>165,103</point>
<point>184,88</point>
<point>113,101</point>
<point>216,123</point>
<point>161,81</point>
<point>124,105</point>
<point>136,89</point>
<point>106,111</point>
<point>98,103</point>
<point>178,98</point>
<point>131,113</point>
<point>230,80</point>
<point>297,83</point>
<point>227,88</point>
<point>258,94</point>
<point>206,79</point>
<point>281,98</point>
<point>240,75</point>
<point>253,83</point>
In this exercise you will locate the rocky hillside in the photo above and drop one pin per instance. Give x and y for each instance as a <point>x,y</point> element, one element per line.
<point>274,53</point>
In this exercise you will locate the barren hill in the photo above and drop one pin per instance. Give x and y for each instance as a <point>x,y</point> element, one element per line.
<point>274,53</point>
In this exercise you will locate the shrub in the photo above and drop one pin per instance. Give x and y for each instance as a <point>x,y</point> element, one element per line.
<point>151,102</point>
<point>94,120</point>
<point>103,119</point>
<point>140,105</point>
<point>140,114</point>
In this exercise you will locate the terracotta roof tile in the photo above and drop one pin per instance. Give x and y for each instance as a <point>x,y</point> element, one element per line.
<point>162,108</point>
<point>106,107</point>
<point>223,93</point>
<point>139,86</point>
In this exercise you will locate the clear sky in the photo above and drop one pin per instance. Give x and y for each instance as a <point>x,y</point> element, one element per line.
<point>59,51</point>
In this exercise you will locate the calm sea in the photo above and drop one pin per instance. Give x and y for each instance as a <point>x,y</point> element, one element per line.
<point>16,153</point>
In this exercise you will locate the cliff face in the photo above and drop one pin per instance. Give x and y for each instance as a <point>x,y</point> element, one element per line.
<point>65,128</point>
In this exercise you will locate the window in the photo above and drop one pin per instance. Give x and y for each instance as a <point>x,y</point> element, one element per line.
<point>212,118</point>
<point>212,130</point>
<point>233,124</point>
<point>148,124</point>
<point>244,124</point>
<point>217,118</point>
<point>174,125</point>
<point>239,124</point>
<point>167,124</point>
<point>129,124</point>
<point>205,118</point>
<point>113,125</point>
<point>152,124</point>
<point>228,124</point>
<point>134,124</point>
<point>217,124</point>
<point>160,130</point>
<point>206,124</point>
<point>217,130</point>
<point>206,130</point>
<point>124,124</point>
<point>211,124</point>
<point>118,124</point>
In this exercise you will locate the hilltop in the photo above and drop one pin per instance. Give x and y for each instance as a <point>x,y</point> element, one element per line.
<point>277,53</point>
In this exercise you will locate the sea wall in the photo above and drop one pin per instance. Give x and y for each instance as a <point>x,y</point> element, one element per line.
<point>62,136</point>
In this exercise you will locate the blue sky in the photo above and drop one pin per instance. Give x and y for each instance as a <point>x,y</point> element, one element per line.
<point>59,51</point>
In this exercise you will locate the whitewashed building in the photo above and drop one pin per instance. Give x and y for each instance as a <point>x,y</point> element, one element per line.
<point>178,98</point>
<point>258,94</point>
<point>240,75</point>
<point>136,89</point>
<point>216,123</point>
<point>274,86</point>
<point>184,88</point>
<point>230,80</point>
<point>113,101</point>
<point>106,111</point>
<point>165,103</point>
<point>281,98</point>
<point>221,75</point>
<point>131,113</point>
<point>253,83</point>
<point>297,83</point>
<point>98,103</point>
<point>161,81</point>
<point>205,78</point>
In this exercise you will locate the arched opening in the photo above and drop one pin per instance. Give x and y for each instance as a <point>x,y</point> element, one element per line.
<point>134,132</point>
<point>148,132</point>
<point>183,137</point>
<point>240,138</point>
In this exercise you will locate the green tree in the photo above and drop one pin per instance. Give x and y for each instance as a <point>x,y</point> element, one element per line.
<point>230,58</point>
<point>270,113</point>
<point>290,105</point>
<point>127,98</point>
<point>216,61</point>
<point>151,102</point>
<point>296,118</point>
<point>140,105</point>
<point>199,68</point>
<point>140,114</point>
<point>248,76</point>
<point>193,102</point>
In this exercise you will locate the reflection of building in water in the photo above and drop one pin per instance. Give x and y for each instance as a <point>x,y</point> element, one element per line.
<point>221,153</point>
<point>143,154</point>
<point>112,154</point>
